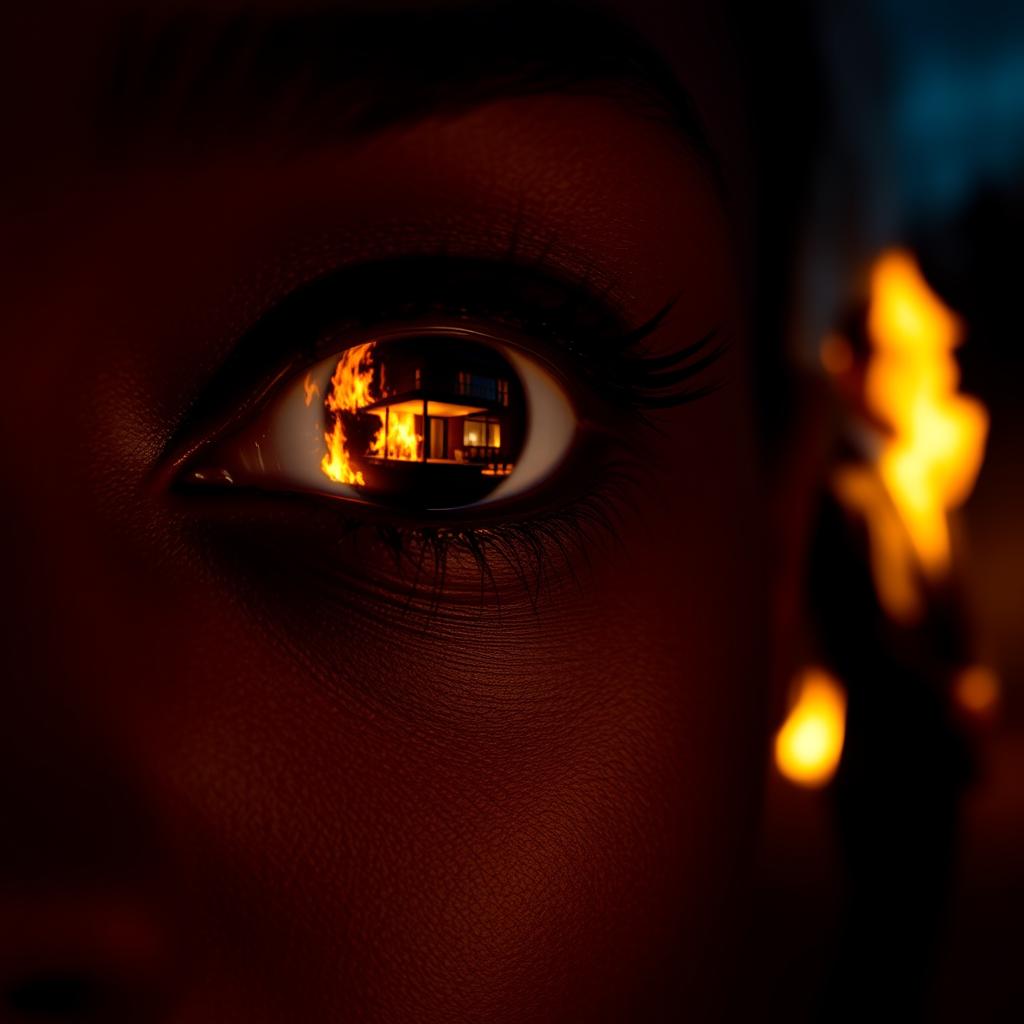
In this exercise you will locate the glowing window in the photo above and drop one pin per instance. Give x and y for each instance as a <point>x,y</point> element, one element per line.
<point>483,433</point>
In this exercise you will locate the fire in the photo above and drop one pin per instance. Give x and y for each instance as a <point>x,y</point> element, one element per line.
<point>930,464</point>
<point>352,389</point>
<point>893,564</point>
<point>976,689</point>
<point>931,456</point>
<point>312,391</point>
<point>930,449</point>
<point>402,439</point>
<point>810,742</point>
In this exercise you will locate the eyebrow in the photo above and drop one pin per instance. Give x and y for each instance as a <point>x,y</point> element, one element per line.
<point>197,85</point>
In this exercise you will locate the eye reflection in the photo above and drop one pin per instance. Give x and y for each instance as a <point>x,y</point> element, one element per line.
<point>426,421</point>
<point>431,424</point>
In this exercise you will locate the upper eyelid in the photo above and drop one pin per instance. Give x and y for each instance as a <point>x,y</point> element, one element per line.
<point>290,334</point>
<point>598,358</point>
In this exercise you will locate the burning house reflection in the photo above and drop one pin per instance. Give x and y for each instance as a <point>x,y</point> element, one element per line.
<point>436,422</point>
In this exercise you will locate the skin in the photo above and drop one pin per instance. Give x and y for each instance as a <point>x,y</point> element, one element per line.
<point>233,791</point>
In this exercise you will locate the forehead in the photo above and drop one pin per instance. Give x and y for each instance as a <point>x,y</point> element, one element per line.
<point>53,52</point>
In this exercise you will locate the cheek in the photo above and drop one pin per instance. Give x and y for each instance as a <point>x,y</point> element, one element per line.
<point>532,809</point>
<point>535,808</point>
<point>525,811</point>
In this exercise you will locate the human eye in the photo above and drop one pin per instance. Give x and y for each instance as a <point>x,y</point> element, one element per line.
<point>423,419</point>
<point>457,406</point>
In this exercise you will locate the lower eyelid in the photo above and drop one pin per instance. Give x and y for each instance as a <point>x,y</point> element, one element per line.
<point>314,553</point>
<point>328,550</point>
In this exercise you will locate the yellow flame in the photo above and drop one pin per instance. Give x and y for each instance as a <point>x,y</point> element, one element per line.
<point>930,457</point>
<point>810,742</point>
<point>892,559</point>
<point>402,440</point>
<point>350,391</point>
<point>931,461</point>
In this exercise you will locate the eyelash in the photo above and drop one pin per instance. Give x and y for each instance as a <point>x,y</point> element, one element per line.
<point>523,545</point>
<point>609,355</point>
<point>611,358</point>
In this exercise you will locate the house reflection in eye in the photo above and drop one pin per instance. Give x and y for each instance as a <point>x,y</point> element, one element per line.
<point>428,421</point>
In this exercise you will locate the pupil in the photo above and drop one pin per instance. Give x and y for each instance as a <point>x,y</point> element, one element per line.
<point>423,423</point>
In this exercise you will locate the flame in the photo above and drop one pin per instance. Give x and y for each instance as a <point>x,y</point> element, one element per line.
<point>351,389</point>
<point>893,564</point>
<point>930,463</point>
<point>810,742</point>
<point>310,388</point>
<point>976,689</point>
<point>933,451</point>
<point>402,440</point>
<point>836,355</point>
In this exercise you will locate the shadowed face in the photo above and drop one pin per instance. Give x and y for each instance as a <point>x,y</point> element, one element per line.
<point>278,745</point>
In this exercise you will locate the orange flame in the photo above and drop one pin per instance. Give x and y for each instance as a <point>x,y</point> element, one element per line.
<point>930,459</point>
<point>310,388</point>
<point>976,689</point>
<point>402,439</point>
<point>836,354</point>
<point>931,463</point>
<point>809,744</point>
<point>926,466</point>
<point>351,391</point>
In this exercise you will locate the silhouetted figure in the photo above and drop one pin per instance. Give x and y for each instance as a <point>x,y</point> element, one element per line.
<point>903,770</point>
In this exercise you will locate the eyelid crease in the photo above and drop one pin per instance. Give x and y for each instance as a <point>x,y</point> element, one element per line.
<point>655,379</point>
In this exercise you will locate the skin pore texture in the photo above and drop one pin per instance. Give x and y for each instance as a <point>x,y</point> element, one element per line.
<point>249,774</point>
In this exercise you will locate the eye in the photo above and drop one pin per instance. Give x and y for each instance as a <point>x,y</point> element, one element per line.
<point>426,419</point>
<point>483,410</point>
